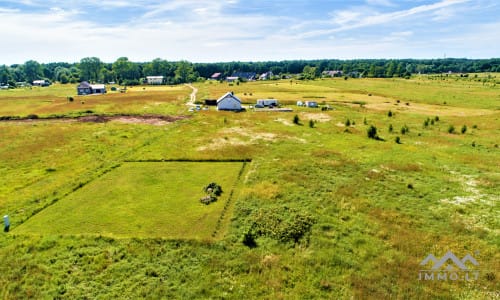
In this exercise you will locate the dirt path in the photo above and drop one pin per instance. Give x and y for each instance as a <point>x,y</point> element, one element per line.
<point>192,97</point>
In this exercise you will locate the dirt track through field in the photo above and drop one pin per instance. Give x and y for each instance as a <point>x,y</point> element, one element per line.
<point>158,120</point>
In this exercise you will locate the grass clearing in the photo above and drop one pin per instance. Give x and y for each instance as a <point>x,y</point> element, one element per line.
<point>379,207</point>
<point>142,199</point>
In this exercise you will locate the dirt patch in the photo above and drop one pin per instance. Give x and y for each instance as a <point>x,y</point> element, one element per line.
<point>316,117</point>
<point>157,120</point>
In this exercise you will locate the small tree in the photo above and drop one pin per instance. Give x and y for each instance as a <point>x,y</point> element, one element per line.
<point>391,129</point>
<point>389,114</point>
<point>347,123</point>
<point>397,140</point>
<point>296,120</point>
<point>451,129</point>
<point>464,129</point>
<point>311,123</point>
<point>372,132</point>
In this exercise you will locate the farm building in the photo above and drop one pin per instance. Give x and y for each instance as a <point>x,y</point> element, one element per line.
<point>232,79</point>
<point>40,83</point>
<point>86,88</point>
<point>245,76</point>
<point>311,104</point>
<point>216,76</point>
<point>229,102</point>
<point>266,76</point>
<point>332,73</point>
<point>154,80</point>
<point>267,102</point>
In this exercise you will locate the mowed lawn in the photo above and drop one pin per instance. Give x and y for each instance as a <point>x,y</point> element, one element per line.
<point>142,199</point>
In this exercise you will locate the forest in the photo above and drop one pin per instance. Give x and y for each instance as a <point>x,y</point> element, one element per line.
<point>126,72</point>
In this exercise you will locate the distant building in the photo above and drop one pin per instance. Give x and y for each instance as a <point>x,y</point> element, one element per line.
<point>232,78</point>
<point>334,73</point>
<point>267,102</point>
<point>154,80</point>
<point>248,76</point>
<point>86,88</point>
<point>41,82</point>
<point>229,102</point>
<point>216,76</point>
<point>266,76</point>
<point>311,104</point>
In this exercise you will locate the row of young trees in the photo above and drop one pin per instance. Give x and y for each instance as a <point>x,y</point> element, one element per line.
<point>127,72</point>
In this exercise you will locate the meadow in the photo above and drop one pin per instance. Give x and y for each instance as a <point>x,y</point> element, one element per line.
<point>320,212</point>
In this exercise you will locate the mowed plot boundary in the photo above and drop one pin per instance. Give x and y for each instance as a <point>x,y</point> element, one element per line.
<point>145,200</point>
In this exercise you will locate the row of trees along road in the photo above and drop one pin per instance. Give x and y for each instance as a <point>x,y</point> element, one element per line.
<point>127,72</point>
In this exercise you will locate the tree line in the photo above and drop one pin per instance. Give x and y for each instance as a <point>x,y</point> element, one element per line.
<point>126,72</point>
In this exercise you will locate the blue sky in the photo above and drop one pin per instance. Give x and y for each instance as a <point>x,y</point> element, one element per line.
<point>247,30</point>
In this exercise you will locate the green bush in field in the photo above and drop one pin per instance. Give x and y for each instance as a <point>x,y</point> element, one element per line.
<point>451,129</point>
<point>213,190</point>
<point>296,120</point>
<point>372,132</point>
<point>464,129</point>
<point>279,223</point>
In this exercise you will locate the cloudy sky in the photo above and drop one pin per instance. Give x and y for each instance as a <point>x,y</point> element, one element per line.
<point>247,30</point>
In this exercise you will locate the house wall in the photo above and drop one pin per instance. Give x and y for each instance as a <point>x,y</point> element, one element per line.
<point>229,103</point>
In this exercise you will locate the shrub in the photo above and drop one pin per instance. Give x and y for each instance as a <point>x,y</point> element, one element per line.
<point>311,123</point>
<point>464,129</point>
<point>296,120</point>
<point>426,122</point>
<point>397,140</point>
<point>391,129</point>
<point>372,132</point>
<point>436,119</point>
<point>405,129</point>
<point>347,123</point>
<point>451,129</point>
<point>279,223</point>
<point>389,114</point>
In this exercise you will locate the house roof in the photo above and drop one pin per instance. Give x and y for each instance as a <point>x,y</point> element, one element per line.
<point>84,85</point>
<point>154,77</point>
<point>97,86</point>
<point>215,75</point>
<point>246,75</point>
<point>228,95</point>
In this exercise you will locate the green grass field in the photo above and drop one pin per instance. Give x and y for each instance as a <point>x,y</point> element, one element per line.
<point>141,200</point>
<point>84,228</point>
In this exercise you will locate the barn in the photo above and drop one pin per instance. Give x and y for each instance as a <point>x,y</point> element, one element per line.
<point>86,88</point>
<point>229,102</point>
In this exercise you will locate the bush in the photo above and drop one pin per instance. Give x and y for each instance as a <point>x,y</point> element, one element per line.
<point>372,132</point>
<point>389,114</point>
<point>464,129</point>
<point>296,120</point>
<point>348,123</point>
<point>391,129</point>
<point>405,129</point>
<point>397,140</point>
<point>213,190</point>
<point>280,223</point>
<point>451,129</point>
<point>311,123</point>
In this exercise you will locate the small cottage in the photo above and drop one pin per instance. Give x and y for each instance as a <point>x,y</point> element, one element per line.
<point>154,80</point>
<point>86,88</point>
<point>229,102</point>
<point>216,76</point>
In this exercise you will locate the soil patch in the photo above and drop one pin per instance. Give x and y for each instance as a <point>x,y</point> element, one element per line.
<point>157,120</point>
